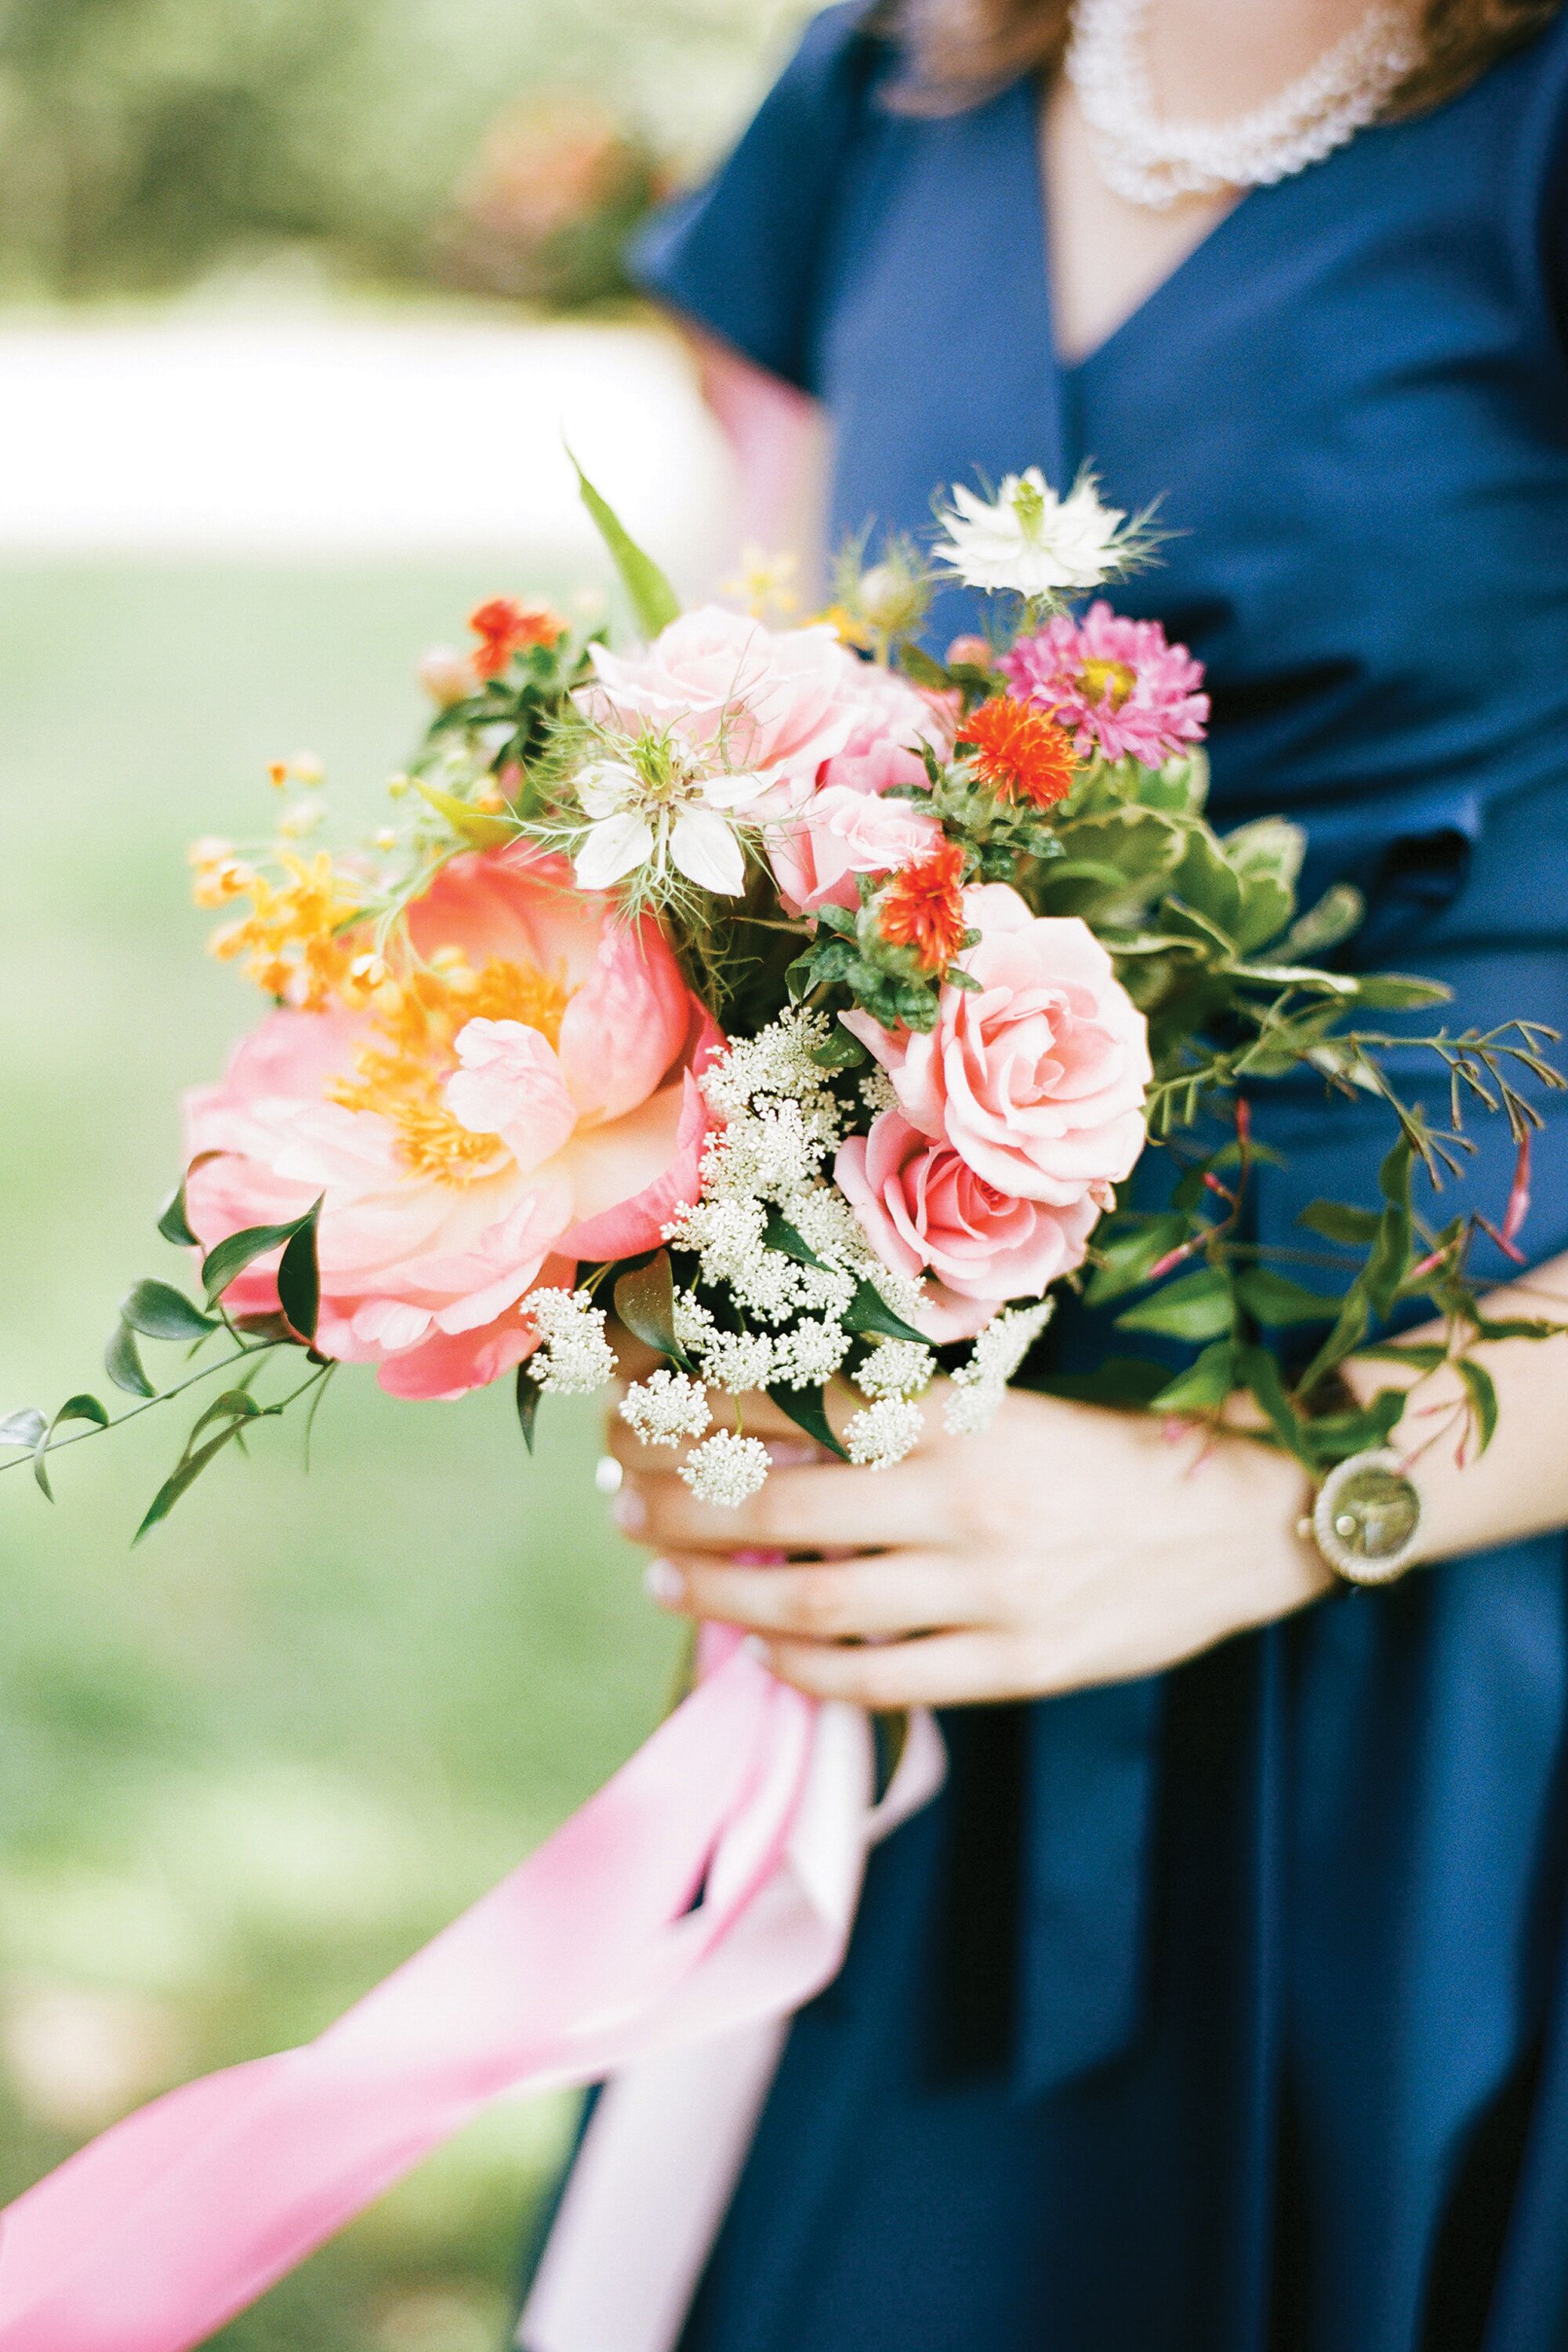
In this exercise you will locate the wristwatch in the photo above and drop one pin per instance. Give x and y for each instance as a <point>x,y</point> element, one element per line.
<point>1366,1521</point>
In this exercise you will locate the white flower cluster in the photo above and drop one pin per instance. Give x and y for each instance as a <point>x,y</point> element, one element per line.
<point>979,1385</point>
<point>574,1356</point>
<point>665,1407</point>
<point>884,1433</point>
<point>726,1469</point>
<point>896,1367</point>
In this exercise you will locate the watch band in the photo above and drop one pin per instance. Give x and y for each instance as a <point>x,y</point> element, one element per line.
<point>1366,1519</point>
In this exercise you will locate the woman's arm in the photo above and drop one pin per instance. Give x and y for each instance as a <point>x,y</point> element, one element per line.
<point>1069,1544</point>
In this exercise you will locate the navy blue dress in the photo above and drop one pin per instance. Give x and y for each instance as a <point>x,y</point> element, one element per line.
<point>1228,2010</point>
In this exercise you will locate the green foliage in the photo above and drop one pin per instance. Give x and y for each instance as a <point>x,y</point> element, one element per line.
<point>653,600</point>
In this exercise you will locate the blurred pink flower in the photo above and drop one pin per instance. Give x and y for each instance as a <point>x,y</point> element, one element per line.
<point>891,717</point>
<point>924,1209</point>
<point>1036,1077</point>
<point>526,1098</point>
<point>839,833</point>
<point>1122,688</point>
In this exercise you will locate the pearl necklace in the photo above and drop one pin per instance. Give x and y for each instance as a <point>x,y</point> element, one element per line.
<point>1152,162</point>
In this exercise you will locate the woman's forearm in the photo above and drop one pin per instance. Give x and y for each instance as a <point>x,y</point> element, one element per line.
<point>1518,1487</point>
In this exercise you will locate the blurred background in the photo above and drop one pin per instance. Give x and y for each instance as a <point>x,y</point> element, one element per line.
<point>295,305</point>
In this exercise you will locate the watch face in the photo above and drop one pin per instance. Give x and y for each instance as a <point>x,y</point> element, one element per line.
<point>1367,1517</point>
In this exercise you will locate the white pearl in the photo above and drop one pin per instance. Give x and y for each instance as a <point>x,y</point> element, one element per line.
<point>1152,162</point>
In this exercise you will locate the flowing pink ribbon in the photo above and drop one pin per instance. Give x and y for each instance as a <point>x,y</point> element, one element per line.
<point>702,1895</point>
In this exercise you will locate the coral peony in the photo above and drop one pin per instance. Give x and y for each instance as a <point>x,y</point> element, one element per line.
<point>523,1097</point>
<point>923,1208</point>
<point>1121,688</point>
<point>840,833</point>
<point>1036,1077</point>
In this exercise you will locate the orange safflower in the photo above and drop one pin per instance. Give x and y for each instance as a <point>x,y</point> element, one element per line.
<point>504,627</point>
<point>1019,753</point>
<point>921,907</point>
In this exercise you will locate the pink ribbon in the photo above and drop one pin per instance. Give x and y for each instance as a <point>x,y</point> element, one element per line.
<point>702,1895</point>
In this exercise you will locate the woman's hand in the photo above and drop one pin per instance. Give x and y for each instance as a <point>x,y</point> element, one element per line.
<point>1067,1545</point>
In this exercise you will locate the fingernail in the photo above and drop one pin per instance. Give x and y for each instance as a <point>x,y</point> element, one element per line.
<point>663,1582</point>
<point>608,1475</point>
<point>753,1646</point>
<point>792,1452</point>
<point>629,1511</point>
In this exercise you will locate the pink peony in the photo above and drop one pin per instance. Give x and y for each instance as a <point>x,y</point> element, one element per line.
<point>774,703</point>
<point>889,718</point>
<point>924,1209</point>
<point>529,1099</point>
<point>1036,1077</point>
<point>838,834</point>
<point>1115,683</point>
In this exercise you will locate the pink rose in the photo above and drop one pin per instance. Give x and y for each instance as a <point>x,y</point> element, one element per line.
<point>889,718</point>
<point>774,703</point>
<point>1036,1078</point>
<point>841,833</point>
<point>463,1160</point>
<point>924,1209</point>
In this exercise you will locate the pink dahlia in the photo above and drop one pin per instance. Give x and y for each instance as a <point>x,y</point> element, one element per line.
<point>1122,688</point>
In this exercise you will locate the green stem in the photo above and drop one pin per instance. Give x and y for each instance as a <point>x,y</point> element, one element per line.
<point>165,1396</point>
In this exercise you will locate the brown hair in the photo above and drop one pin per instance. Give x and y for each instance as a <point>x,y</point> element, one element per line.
<point>961,51</point>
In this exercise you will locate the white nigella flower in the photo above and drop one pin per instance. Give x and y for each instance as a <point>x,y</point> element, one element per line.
<point>1028,539</point>
<point>658,806</point>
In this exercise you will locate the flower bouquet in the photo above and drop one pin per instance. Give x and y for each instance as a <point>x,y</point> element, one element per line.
<point>802,1005</point>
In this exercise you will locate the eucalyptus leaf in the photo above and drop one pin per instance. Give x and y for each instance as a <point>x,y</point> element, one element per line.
<point>653,600</point>
<point>122,1362</point>
<point>159,1311</point>
<point>805,1408</point>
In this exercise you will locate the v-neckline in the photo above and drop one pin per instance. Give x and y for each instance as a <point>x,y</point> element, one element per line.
<point>1068,372</point>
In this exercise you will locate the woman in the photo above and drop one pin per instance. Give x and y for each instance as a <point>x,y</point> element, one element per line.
<point>1221,2003</point>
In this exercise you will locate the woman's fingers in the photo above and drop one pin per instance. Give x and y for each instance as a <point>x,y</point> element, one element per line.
<point>938,1670</point>
<point>896,1593</point>
<point>826,1508</point>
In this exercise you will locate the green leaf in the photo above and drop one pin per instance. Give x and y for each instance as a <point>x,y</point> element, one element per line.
<point>805,1407</point>
<point>470,824</point>
<point>1421,1355</point>
<point>300,1276</point>
<point>842,1051</point>
<point>123,1363</point>
<point>1331,1437</point>
<point>1483,1398</point>
<point>645,1301</point>
<point>1335,915</point>
<point>22,1430</point>
<point>1127,1256</point>
<point>870,1311</point>
<point>228,1261</point>
<point>1260,1370</point>
<point>76,1407</point>
<point>1194,1307</point>
<point>1177,916</point>
<point>1206,883</point>
<point>1203,1386</point>
<point>235,1404</point>
<point>159,1311</point>
<point>172,1221</point>
<point>1390,1259</point>
<point>779,1235</point>
<point>1282,976</point>
<point>1123,1384</point>
<point>1515,1327</point>
<point>183,1478</point>
<point>529,1393</point>
<point>270,1326</point>
<point>1350,1329</point>
<point>917,664</point>
<point>1397,992</point>
<point>653,600</point>
<point>1274,1299</point>
<point>1338,1221</point>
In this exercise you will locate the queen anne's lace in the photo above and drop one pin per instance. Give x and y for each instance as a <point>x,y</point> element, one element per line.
<point>665,1408</point>
<point>726,1469</point>
<point>574,1356</point>
<point>979,1386</point>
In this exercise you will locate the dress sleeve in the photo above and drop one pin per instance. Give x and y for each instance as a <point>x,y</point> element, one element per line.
<point>741,255</point>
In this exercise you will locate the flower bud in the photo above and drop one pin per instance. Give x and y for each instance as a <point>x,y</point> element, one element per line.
<point>447,675</point>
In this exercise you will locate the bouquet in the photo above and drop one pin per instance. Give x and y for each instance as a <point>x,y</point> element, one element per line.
<point>805,1005</point>
<point>814,1011</point>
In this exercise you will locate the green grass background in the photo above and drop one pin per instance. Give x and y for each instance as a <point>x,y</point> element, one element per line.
<point>246,1769</point>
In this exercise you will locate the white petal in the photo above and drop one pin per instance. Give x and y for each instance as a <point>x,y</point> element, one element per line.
<point>606,785</point>
<point>733,791</point>
<point>613,847</point>
<point>708,852</point>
